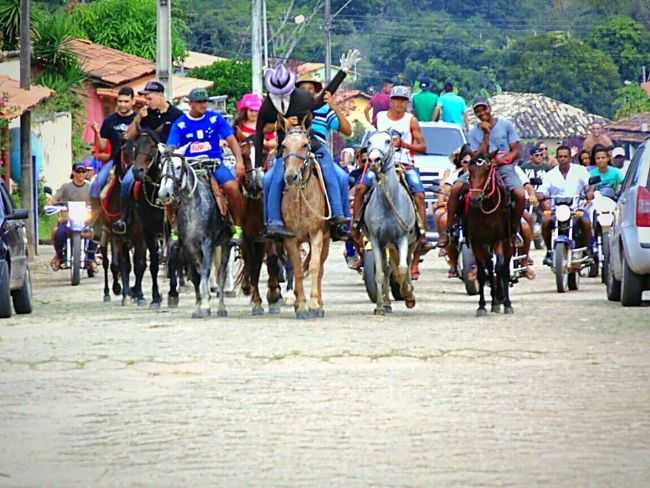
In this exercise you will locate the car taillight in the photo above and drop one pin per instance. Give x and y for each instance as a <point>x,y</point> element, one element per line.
<point>643,207</point>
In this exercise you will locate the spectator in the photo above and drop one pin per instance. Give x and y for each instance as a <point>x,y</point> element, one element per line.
<point>596,136</point>
<point>424,103</point>
<point>379,102</point>
<point>451,107</point>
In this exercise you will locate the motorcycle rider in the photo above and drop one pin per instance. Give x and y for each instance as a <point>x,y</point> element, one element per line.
<point>609,175</point>
<point>565,180</point>
<point>76,190</point>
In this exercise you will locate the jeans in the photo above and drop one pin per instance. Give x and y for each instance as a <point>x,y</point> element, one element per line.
<point>127,184</point>
<point>100,180</point>
<point>274,186</point>
<point>412,178</point>
<point>61,236</point>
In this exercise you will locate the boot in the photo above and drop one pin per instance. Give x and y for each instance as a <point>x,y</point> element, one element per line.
<point>120,225</point>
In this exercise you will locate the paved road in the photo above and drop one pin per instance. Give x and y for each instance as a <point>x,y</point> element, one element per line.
<point>104,395</point>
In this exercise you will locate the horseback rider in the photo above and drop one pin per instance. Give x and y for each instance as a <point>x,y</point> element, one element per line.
<point>409,142</point>
<point>296,105</point>
<point>245,123</point>
<point>565,180</point>
<point>157,115</point>
<point>201,130</point>
<point>491,135</point>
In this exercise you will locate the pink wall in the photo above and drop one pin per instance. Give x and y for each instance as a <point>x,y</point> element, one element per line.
<point>94,113</point>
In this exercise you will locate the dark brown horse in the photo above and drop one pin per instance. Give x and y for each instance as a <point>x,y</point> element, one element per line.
<point>488,229</point>
<point>253,246</point>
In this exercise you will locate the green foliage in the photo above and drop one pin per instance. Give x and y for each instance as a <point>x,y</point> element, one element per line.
<point>562,68</point>
<point>51,48</point>
<point>10,22</point>
<point>626,41</point>
<point>631,100</point>
<point>127,25</point>
<point>232,78</point>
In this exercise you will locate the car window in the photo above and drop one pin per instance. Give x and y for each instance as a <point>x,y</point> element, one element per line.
<point>7,205</point>
<point>442,141</point>
<point>632,175</point>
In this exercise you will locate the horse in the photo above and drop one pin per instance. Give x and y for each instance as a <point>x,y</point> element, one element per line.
<point>203,232</point>
<point>389,221</point>
<point>488,231</point>
<point>147,172</point>
<point>305,211</point>
<point>253,246</point>
<point>121,246</point>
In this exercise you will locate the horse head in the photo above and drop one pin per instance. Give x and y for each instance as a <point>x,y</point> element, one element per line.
<point>380,150</point>
<point>480,170</point>
<point>296,152</point>
<point>144,152</point>
<point>174,175</point>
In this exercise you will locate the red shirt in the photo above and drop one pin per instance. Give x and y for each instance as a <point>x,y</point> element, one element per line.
<point>379,103</point>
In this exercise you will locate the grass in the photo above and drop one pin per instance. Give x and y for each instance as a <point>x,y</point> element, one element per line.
<point>45,226</point>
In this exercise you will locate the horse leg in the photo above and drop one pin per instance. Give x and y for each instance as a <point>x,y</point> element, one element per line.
<point>154,265</point>
<point>507,305</point>
<point>205,267</point>
<point>223,269</point>
<point>172,274</point>
<point>125,271</point>
<point>405,277</point>
<point>116,267</point>
<point>254,267</point>
<point>293,250</point>
<point>139,266</point>
<point>380,258</point>
<point>481,257</point>
<point>315,308</point>
<point>387,270</point>
<point>324,253</point>
<point>274,291</point>
<point>105,266</point>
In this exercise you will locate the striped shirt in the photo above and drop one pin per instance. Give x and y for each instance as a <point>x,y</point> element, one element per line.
<point>325,120</point>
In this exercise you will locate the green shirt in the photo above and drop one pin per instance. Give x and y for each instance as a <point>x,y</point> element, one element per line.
<point>612,177</point>
<point>423,105</point>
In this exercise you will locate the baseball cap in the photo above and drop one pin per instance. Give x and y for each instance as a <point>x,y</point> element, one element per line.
<point>78,166</point>
<point>617,152</point>
<point>480,101</point>
<point>152,87</point>
<point>199,95</point>
<point>400,91</point>
<point>425,82</point>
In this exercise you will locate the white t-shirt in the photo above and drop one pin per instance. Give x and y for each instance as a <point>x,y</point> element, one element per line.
<point>555,184</point>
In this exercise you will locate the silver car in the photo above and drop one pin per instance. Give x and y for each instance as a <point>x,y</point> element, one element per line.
<point>628,273</point>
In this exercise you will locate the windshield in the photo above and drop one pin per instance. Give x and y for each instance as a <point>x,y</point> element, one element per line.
<point>442,140</point>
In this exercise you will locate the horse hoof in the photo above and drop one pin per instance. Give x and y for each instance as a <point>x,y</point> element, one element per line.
<point>316,313</point>
<point>380,311</point>
<point>496,309</point>
<point>141,302</point>
<point>481,312</point>
<point>154,306</point>
<point>275,308</point>
<point>289,301</point>
<point>508,310</point>
<point>388,309</point>
<point>124,301</point>
<point>231,294</point>
<point>257,310</point>
<point>107,299</point>
<point>117,289</point>
<point>410,303</point>
<point>172,302</point>
<point>214,289</point>
<point>201,313</point>
<point>222,313</point>
<point>302,315</point>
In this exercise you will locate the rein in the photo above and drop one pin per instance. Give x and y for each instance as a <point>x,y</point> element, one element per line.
<point>491,187</point>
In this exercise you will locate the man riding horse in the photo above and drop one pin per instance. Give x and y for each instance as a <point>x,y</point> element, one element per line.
<point>296,106</point>
<point>498,136</point>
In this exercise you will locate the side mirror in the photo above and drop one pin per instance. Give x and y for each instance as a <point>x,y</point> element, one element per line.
<point>47,190</point>
<point>594,180</point>
<point>19,214</point>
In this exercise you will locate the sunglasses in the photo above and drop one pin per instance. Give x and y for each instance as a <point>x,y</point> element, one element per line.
<point>537,154</point>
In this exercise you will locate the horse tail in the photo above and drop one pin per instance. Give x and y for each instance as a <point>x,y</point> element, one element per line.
<point>305,263</point>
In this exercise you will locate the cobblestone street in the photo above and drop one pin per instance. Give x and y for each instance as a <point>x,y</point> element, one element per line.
<point>95,394</point>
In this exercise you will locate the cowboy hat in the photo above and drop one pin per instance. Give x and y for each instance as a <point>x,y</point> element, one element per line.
<point>280,81</point>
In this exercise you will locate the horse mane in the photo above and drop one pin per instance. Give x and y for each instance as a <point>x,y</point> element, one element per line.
<point>151,133</point>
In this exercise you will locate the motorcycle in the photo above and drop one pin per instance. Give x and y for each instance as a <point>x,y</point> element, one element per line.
<point>603,216</point>
<point>568,260</point>
<point>75,215</point>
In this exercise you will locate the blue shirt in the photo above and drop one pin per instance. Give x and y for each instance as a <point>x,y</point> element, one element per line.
<point>452,108</point>
<point>202,134</point>
<point>611,178</point>
<point>501,136</point>
<point>325,120</point>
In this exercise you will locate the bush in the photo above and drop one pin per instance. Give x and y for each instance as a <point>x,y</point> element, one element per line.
<point>232,78</point>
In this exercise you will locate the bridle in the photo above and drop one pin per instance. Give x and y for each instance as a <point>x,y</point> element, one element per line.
<point>307,159</point>
<point>490,186</point>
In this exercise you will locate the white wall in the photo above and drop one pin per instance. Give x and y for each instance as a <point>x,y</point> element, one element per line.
<point>55,135</point>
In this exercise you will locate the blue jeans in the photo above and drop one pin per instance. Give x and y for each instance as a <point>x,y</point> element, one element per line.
<point>60,237</point>
<point>274,186</point>
<point>100,180</point>
<point>127,184</point>
<point>412,178</point>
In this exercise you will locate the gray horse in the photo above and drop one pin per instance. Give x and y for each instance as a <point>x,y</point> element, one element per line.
<point>203,233</point>
<point>390,224</point>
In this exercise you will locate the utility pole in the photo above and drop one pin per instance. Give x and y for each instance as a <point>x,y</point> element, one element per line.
<point>26,181</point>
<point>256,46</point>
<point>164,68</point>
<point>265,35</point>
<point>328,41</point>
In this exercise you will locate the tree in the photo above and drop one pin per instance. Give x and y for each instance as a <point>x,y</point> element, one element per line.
<point>232,78</point>
<point>562,68</point>
<point>631,100</point>
<point>626,41</point>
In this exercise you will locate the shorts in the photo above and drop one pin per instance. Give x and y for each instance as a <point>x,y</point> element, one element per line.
<point>222,174</point>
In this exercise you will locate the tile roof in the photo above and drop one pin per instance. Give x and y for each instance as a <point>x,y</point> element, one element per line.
<point>110,66</point>
<point>634,129</point>
<point>181,86</point>
<point>14,100</point>
<point>198,60</point>
<point>539,117</point>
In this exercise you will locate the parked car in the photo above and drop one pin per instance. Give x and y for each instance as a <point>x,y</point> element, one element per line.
<point>15,279</point>
<point>442,139</point>
<point>628,273</point>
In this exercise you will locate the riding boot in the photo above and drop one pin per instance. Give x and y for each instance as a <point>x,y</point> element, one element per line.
<point>236,207</point>
<point>120,225</point>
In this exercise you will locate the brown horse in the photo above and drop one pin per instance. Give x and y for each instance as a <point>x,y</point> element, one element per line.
<point>488,229</point>
<point>253,246</point>
<point>305,213</point>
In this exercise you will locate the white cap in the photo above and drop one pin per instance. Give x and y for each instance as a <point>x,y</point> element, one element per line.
<point>618,151</point>
<point>400,91</point>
